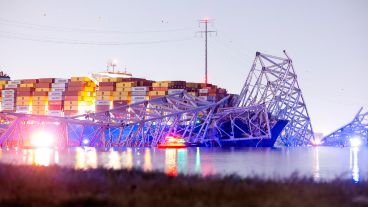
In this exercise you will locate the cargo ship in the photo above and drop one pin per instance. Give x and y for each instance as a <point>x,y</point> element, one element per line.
<point>93,93</point>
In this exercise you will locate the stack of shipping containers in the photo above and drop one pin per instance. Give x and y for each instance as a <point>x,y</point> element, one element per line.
<point>139,93</point>
<point>122,94</point>
<point>78,95</point>
<point>192,88</point>
<point>9,96</point>
<point>159,89</point>
<point>56,97</point>
<point>176,87</point>
<point>40,96</point>
<point>104,95</point>
<point>24,96</point>
<point>208,93</point>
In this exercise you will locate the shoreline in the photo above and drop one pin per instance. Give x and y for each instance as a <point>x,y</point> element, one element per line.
<point>60,186</point>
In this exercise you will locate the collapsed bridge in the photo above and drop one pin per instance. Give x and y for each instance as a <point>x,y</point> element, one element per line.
<point>270,99</point>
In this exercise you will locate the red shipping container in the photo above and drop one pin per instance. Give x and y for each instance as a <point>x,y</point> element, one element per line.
<point>106,88</point>
<point>70,112</point>
<point>107,84</point>
<point>40,93</point>
<point>76,88</point>
<point>56,107</point>
<point>43,85</point>
<point>71,98</point>
<point>102,108</point>
<point>159,89</point>
<point>26,89</point>
<point>25,81</point>
<point>71,93</point>
<point>46,80</point>
<point>76,84</point>
<point>24,93</point>
<point>56,103</point>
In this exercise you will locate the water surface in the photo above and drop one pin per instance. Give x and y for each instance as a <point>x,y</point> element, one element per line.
<point>321,163</point>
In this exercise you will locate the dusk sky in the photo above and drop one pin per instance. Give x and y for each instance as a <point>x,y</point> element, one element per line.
<point>327,40</point>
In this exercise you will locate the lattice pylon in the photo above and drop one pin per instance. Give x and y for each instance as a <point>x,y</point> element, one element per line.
<point>272,81</point>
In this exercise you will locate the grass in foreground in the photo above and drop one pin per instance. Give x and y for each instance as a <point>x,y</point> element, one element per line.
<point>57,186</point>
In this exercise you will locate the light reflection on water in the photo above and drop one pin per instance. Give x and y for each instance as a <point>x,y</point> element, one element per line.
<point>354,166</point>
<point>320,163</point>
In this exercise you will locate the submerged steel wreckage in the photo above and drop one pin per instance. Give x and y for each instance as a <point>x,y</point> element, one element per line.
<point>270,109</point>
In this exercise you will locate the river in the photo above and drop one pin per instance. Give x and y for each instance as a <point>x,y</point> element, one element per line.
<point>320,163</point>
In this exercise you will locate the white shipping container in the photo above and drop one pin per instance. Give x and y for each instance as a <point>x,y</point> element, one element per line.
<point>56,93</point>
<point>7,108</point>
<point>11,99</point>
<point>55,113</point>
<point>139,98</point>
<point>58,89</point>
<point>23,108</point>
<point>61,80</point>
<point>14,82</point>
<point>203,90</point>
<point>174,91</point>
<point>7,95</point>
<point>102,102</point>
<point>21,112</point>
<point>136,101</point>
<point>58,85</point>
<point>7,92</point>
<point>207,98</point>
<point>139,93</point>
<point>140,88</point>
<point>56,98</point>
<point>11,85</point>
<point>203,98</point>
<point>8,103</point>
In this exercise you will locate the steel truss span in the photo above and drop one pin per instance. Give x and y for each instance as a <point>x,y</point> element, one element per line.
<point>143,124</point>
<point>272,81</point>
<point>357,128</point>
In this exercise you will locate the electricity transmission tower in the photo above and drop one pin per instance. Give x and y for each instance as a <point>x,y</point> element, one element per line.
<point>205,22</point>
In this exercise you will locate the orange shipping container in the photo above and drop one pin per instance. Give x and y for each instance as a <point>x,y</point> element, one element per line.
<point>43,89</point>
<point>39,103</point>
<point>106,88</point>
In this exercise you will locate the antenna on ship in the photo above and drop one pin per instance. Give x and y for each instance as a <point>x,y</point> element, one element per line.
<point>205,21</point>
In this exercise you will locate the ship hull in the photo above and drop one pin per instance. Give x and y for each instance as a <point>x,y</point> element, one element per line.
<point>275,132</point>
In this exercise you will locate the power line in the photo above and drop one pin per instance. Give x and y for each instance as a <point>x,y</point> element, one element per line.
<point>17,36</point>
<point>81,30</point>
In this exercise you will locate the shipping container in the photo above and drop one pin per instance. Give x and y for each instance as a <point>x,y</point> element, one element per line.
<point>59,113</point>
<point>46,80</point>
<point>9,85</point>
<point>126,84</point>
<point>60,81</point>
<point>102,102</point>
